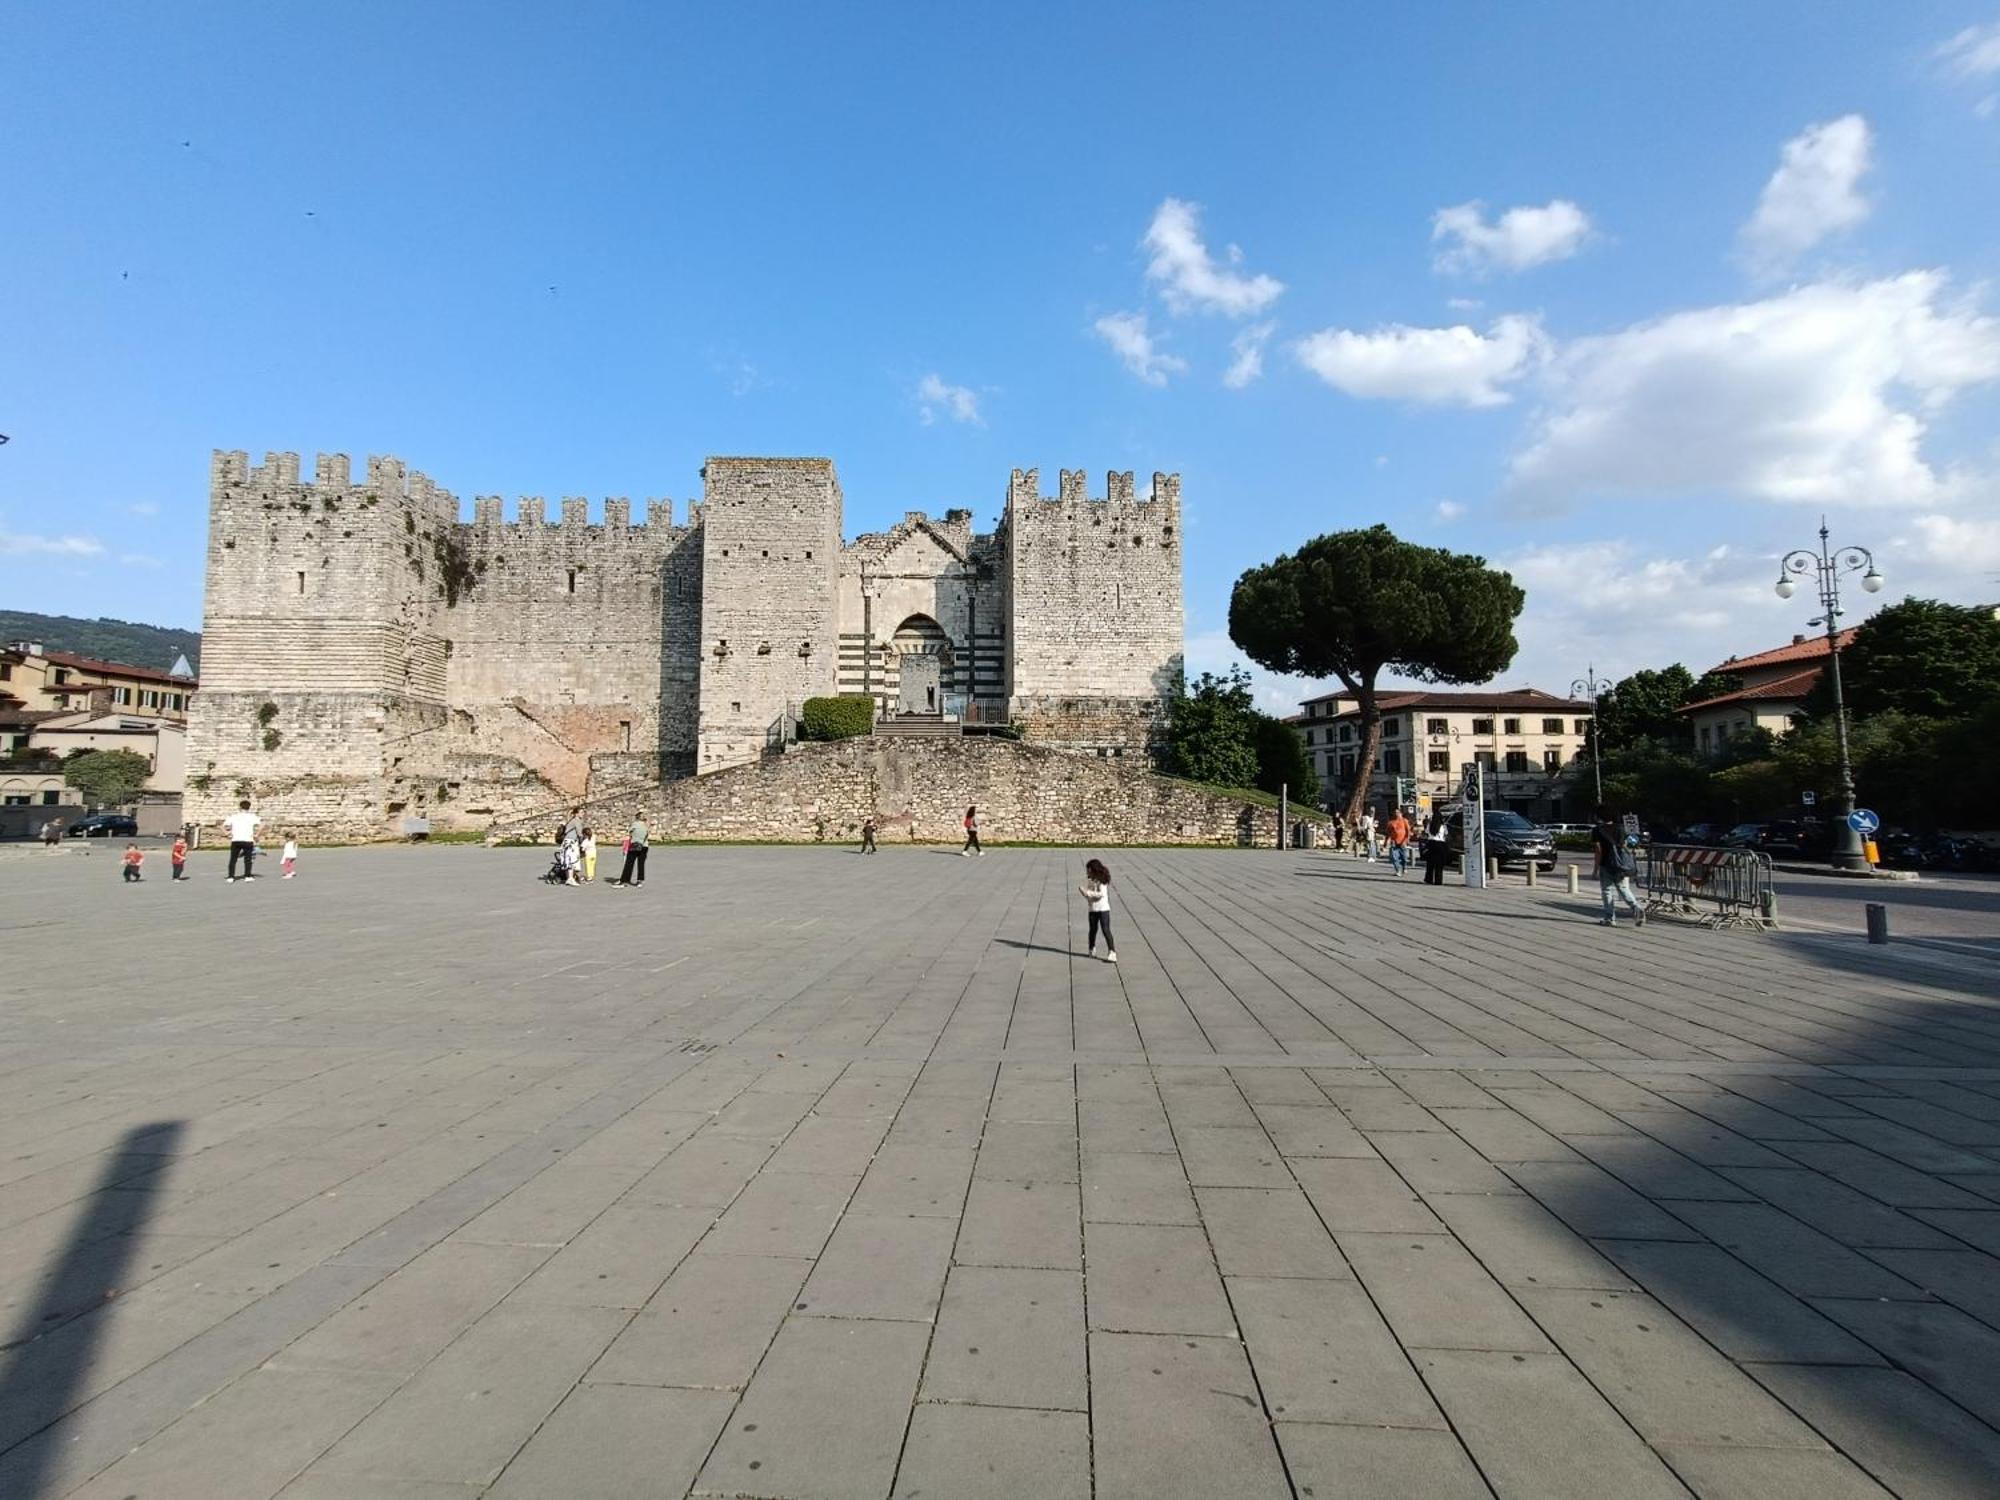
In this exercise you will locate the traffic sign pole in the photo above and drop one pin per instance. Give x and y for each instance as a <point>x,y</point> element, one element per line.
<point>1474,798</point>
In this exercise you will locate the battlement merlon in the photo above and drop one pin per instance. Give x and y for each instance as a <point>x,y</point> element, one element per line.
<point>489,513</point>
<point>1024,489</point>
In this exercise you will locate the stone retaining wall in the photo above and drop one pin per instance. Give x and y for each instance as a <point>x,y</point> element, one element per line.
<point>918,790</point>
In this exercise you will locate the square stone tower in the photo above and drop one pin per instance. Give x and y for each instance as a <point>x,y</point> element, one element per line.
<point>770,555</point>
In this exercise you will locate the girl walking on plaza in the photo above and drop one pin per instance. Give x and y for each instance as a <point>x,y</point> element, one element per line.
<point>289,860</point>
<point>179,856</point>
<point>1437,849</point>
<point>972,832</point>
<point>1096,893</point>
<point>589,856</point>
<point>134,857</point>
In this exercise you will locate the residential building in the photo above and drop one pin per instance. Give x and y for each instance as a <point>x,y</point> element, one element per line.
<point>1528,741</point>
<point>36,679</point>
<point>1772,689</point>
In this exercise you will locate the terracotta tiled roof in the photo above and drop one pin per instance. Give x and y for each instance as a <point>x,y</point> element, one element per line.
<point>1811,648</point>
<point>1792,687</point>
<point>112,669</point>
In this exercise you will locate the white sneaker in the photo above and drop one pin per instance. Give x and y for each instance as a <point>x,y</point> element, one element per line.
<point>1111,958</point>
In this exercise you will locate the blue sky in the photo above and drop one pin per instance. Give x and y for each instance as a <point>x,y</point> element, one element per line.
<point>1619,297</point>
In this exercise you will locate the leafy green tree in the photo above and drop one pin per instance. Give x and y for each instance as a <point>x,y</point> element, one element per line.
<point>106,778</point>
<point>1210,734</point>
<point>1352,604</point>
<point>1282,761</point>
<point>1645,706</point>
<point>1665,784</point>
<point>1922,657</point>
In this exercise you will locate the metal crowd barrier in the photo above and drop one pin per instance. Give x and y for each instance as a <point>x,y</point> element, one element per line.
<point>1718,887</point>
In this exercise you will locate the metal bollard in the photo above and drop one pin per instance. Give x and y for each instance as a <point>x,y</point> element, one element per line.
<point>1878,922</point>
<point>1571,872</point>
<point>1492,869</point>
<point>1531,874</point>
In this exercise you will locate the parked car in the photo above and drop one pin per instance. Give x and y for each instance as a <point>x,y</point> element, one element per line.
<point>104,826</point>
<point>1510,838</point>
<point>1567,830</point>
<point>1787,836</point>
<point>1701,835</point>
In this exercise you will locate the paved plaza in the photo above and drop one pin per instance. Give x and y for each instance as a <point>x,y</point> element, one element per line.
<point>799,1173</point>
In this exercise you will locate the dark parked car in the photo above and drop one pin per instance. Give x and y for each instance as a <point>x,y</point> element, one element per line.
<point>104,826</point>
<point>1702,835</point>
<point>1510,838</point>
<point>1783,837</point>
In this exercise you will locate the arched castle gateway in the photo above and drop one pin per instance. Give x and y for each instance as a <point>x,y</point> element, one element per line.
<point>367,654</point>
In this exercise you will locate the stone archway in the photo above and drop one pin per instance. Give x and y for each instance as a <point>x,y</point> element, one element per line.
<point>922,652</point>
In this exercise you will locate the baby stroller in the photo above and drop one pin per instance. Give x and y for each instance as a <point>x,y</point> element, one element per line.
<point>561,864</point>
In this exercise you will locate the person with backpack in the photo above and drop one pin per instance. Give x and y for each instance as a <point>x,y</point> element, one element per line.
<point>1616,865</point>
<point>972,833</point>
<point>1096,893</point>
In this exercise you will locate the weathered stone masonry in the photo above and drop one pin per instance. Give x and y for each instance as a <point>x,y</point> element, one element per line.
<point>370,654</point>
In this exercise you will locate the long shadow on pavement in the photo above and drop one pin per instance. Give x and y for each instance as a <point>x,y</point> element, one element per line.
<point>40,1379</point>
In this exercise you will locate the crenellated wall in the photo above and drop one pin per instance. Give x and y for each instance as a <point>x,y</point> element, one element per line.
<point>369,654</point>
<point>1094,609</point>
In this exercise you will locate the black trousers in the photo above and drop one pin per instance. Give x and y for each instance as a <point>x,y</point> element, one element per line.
<point>247,851</point>
<point>132,872</point>
<point>867,841</point>
<point>1100,921</point>
<point>971,838</point>
<point>1435,856</point>
<point>635,860</point>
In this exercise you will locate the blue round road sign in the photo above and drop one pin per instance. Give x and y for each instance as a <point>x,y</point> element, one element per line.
<point>1862,821</point>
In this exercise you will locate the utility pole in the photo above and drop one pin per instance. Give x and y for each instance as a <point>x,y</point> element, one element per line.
<point>1591,685</point>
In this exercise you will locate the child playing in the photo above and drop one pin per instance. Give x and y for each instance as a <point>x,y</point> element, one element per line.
<point>289,860</point>
<point>179,856</point>
<point>589,856</point>
<point>134,857</point>
<point>1096,893</point>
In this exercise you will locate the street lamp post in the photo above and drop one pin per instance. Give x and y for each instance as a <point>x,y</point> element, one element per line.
<point>1827,564</point>
<point>1591,685</point>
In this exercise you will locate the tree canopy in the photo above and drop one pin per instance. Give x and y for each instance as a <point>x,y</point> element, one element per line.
<point>107,778</point>
<point>1209,731</point>
<point>1353,604</point>
<point>1921,657</point>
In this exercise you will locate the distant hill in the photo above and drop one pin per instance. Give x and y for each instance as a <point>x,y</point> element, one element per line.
<point>113,640</point>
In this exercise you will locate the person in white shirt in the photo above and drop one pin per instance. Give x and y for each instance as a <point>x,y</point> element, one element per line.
<point>1096,893</point>
<point>242,825</point>
<point>1368,833</point>
<point>289,860</point>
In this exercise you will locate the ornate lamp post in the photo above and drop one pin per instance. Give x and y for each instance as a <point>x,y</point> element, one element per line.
<point>1827,564</point>
<point>1590,685</point>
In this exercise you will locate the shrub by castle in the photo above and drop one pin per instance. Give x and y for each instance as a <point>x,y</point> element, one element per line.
<point>370,655</point>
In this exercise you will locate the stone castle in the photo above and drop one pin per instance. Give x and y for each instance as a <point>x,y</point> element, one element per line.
<point>369,656</point>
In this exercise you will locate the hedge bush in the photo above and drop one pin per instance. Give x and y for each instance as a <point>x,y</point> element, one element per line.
<point>838,718</point>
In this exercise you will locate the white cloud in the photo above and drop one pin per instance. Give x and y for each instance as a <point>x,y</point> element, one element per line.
<point>958,402</point>
<point>1973,53</point>
<point>1132,342</point>
<point>1449,510</point>
<point>143,508</point>
<point>139,560</point>
<point>1814,396</point>
<point>1463,304</point>
<point>1959,545</point>
<point>1248,347</point>
<point>1213,651</point>
<point>1455,366</point>
<point>1814,193</point>
<point>27,544</point>
<point>1519,239</point>
<point>1190,280</point>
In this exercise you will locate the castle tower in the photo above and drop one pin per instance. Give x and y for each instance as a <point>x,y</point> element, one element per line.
<point>1095,621</point>
<point>317,640</point>
<point>770,550</point>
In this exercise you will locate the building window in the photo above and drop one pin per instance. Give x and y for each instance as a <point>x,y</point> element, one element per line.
<point>1440,760</point>
<point>1707,736</point>
<point>1437,726</point>
<point>1392,762</point>
<point>1552,726</point>
<point>1347,734</point>
<point>62,674</point>
<point>302,582</point>
<point>1513,726</point>
<point>572,580</point>
<point>1482,726</point>
<point>1552,761</point>
<point>122,697</point>
<point>1392,727</point>
<point>12,800</point>
<point>1485,759</point>
<point>1583,726</point>
<point>1517,761</point>
<point>51,799</point>
<point>1347,767</point>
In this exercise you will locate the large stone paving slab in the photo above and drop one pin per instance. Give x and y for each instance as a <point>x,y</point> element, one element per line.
<point>801,1174</point>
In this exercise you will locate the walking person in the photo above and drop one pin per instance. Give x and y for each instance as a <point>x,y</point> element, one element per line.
<point>1399,842</point>
<point>1339,834</point>
<point>1616,865</point>
<point>587,846</point>
<point>868,836</point>
<point>242,825</point>
<point>134,857</point>
<point>972,833</point>
<point>51,833</point>
<point>1437,848</point>
<point>1096,893</point>
<point>1368,833</point>
<point>288,857</point>
<point>635,853</point>
<point>178,856</point>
